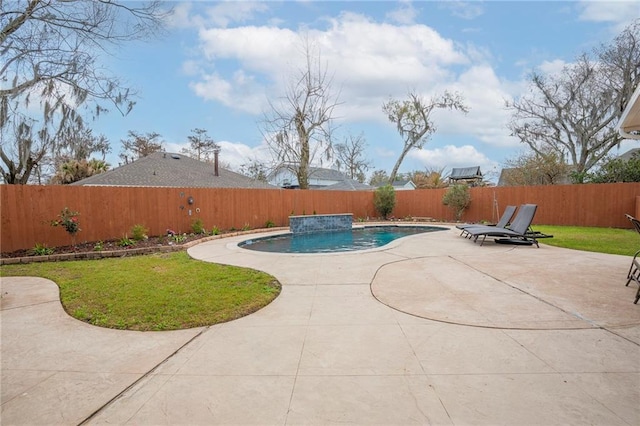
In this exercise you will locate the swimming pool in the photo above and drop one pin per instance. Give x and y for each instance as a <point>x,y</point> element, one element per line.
<point>335,241</point>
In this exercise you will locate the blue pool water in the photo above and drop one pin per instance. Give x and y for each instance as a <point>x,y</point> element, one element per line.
<point>335,241</point>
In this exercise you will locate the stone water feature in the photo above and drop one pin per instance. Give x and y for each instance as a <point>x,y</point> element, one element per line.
<point>320,222</point>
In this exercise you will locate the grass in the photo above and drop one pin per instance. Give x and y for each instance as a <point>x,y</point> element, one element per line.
<point>155,292</point>
<point>602,240</point>
<point>172,291</point>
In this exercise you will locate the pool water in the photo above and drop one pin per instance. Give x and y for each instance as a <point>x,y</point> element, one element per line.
<point>335,241</point>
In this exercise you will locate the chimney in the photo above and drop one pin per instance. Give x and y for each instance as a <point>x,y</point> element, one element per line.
<point>216,151</point>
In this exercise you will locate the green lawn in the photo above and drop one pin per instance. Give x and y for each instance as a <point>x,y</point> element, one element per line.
<point>172,291</point>
<point>603,240</point>
<point>154,292</point>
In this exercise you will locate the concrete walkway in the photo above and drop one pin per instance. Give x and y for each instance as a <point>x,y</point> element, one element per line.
<point>431,329</point>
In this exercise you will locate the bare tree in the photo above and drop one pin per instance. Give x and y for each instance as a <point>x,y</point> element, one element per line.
<point>201,145</point>
<point>350,157</point>
<point>532,168</point>
<point>255,169</point>
<point>412,118</point>
<point>22,157</point>
<point>49,53</point>
<point>379,178</point>
<point>139,145</point>
<point>298,128</point>
<point>575,112</point>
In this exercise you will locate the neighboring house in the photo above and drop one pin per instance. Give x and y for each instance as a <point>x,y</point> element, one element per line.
<point>403,185</point>
<point>319,177</point>
<point>468,175</point>
<point>348,185</point>
<point>163,169</point>
<point>629,123</point>
<point>629,154</point>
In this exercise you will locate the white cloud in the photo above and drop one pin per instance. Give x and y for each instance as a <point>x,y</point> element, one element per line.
<point>404,14</point>
<point>233,154</point>
<point>227,12</point>
<point>221,15</point>
<point>554,67</point>
<point>369,62</point>
<point>619,13</point>
<point>238,92</point>
<point>485,94</point>
<point>464,9</point>
<point>451,156</point>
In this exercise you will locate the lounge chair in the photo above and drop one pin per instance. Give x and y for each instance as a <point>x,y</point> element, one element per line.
<point>517,233</point>
<point>502,223</point>
<point>634,269</point>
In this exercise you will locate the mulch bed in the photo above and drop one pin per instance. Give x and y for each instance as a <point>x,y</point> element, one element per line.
<point>92,250</point>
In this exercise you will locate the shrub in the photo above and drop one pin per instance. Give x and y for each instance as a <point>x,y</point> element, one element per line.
<point>139,232</point>
<point>197,227</point>
<point>215,230</point>
<point>178,238</point>
<point>126,242</point>
<point>458,199</point>
<point>41,250</point>
<point>68,220</point>
<point>246,227</point>
<point>384,200</point>
<point>269,224</point>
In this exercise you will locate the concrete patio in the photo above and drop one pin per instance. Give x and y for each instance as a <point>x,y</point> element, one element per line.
<point>430,329</point>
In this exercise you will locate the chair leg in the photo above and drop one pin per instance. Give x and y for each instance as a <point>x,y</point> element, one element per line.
<point>634,270</point>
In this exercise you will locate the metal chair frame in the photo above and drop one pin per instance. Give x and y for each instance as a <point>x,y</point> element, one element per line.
<point>634,269</point>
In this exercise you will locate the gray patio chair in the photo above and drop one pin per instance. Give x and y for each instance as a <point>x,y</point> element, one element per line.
<point>517,233</point>
<point>634,269</point>
<point>502,223</point>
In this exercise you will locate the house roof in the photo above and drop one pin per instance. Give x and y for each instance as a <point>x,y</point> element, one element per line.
<point>163,169</point>
<point>347,185</point>
<point>466,173</point>
<point>630,118</point>
<point>326,174</point>
<point>629,154</point>
<point>507,176</point>
<point>314,172</point>
<point>402,183</point>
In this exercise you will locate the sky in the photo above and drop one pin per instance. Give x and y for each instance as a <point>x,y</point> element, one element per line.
<point>219,64</point>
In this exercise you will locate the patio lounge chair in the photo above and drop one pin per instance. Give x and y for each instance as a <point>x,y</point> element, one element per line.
<point>634,269</point>
<point>502,223</point>
<point>517,233</point>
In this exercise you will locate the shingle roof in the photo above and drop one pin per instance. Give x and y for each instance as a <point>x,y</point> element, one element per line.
<point>325,174</point>
<point>347,185</point>
<point>629,154</point>
<point>466,173</point>
<point>163,169</point>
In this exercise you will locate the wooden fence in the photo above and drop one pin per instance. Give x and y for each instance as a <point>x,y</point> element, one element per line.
<point>110,212</point>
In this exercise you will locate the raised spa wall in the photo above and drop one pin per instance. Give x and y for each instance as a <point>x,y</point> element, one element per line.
<point>320,222</point>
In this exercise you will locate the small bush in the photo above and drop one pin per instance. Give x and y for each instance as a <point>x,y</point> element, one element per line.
<point>246,227</point>
<point>197,227</point>
<point>126,242</point>
<point>139,232</point>
<point>99,246</point>
<point>215,230</point>
<point>458,199</point>
<point>384,200</point>
<point>68,220</point>
<point>179,238</point>
<point>41,250</point>
<point>269,224</point>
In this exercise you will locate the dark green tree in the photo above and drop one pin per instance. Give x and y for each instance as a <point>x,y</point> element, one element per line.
<point>384,200</point>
